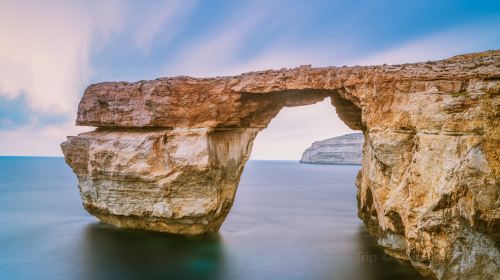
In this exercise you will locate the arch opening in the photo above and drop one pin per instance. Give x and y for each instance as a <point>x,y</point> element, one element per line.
<point>174,148</point>
<point>294,129</point>
<point>232,147</point>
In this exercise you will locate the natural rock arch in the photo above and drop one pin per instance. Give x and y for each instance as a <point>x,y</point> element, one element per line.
<point>193,172</point>
<point>168,154</point>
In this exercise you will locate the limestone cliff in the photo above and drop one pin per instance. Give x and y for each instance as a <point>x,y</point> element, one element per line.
<point>167,154</point>
<point>345,149</point>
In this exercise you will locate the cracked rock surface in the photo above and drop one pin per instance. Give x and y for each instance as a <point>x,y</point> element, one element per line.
<point>167,154</point>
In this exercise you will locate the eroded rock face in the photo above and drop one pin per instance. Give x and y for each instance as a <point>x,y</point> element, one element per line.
<point>168,154</point>
<point>178,181</point>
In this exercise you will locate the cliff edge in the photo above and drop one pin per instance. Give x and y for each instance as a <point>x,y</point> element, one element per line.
<point>345,149</point>
<point>167,154</point>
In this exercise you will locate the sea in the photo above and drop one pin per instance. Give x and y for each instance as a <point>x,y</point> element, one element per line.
<point>289,221</point>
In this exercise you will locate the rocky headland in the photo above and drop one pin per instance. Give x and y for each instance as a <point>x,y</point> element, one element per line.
<point>167,154</point>
<point>345,149</point>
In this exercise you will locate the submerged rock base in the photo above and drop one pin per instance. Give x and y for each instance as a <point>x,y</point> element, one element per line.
<point>177,181</point>
<point>167,154</point>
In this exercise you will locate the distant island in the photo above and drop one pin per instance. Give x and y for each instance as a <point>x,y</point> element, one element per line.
<point>345,149</point>
<point>167,154</point>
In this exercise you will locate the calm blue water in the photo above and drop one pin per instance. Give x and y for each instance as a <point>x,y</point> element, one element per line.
<point>289,221</point>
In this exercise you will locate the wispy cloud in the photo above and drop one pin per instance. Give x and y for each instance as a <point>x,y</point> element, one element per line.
<point>171,14</point>
<point>33,140</point>
<point>45,63</point>
<point>50,50</point>
<point>221,51</point>
<point>444,44</point>
<point>294,129</point>
<point>45,49</point>
<point>209,54</point>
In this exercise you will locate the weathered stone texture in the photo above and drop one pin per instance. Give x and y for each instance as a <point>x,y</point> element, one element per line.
<point>168,153</point>
<point>178,181</point>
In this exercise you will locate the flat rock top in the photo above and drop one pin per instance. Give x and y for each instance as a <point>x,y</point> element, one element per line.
<point>482,64</point>
<point>169,102</point>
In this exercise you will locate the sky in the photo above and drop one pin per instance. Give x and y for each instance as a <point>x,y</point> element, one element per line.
<point>51,50</point>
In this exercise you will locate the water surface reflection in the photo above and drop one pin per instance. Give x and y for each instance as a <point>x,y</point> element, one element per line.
<point>289,221</point>
<point>112,253</point>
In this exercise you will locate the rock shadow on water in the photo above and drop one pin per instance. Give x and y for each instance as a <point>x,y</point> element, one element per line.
<point>375,264</point>
<point>114,253</point>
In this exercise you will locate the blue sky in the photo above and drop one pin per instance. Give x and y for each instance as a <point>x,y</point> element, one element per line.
<point>51,50</point>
